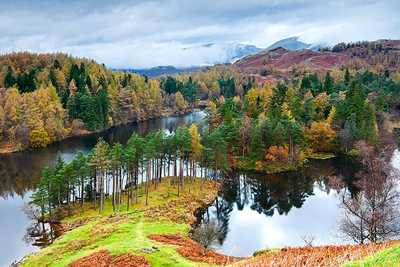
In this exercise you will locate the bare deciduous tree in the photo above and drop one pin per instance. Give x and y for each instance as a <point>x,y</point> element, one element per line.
<point>206,233</point>
<point>308,240</point>
<point>372,215</point>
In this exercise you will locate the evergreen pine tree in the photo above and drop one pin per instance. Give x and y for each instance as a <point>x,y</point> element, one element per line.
<point>9,79</point>
<point>328,83</point>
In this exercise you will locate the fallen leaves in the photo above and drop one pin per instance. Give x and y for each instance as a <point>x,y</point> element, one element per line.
<point>315,256</point>
<point>102,258</point>
<point>191,250</point>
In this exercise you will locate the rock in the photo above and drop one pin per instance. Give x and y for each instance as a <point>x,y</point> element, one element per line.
<point>149,250</point>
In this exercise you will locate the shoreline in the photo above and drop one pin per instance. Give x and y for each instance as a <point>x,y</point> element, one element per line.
<point>163,229</point>
<point>7,148</point>
<point>87,232</point>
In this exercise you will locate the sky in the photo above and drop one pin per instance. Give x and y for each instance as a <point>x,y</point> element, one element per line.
<point>146,33</point>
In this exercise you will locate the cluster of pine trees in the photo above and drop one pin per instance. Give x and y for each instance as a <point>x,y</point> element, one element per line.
<point>121,173</point>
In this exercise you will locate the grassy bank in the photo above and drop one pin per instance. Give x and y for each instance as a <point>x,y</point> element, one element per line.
<point>7,147</point>
<point>124,232</point>
<point>386,257</point>
<point>157,233</point>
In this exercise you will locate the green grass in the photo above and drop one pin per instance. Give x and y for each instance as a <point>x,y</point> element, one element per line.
<point>119,233</point>
<point>386,258</point>
<point>129,236</point>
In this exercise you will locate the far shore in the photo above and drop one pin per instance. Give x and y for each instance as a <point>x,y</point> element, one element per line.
<point>7,148</point>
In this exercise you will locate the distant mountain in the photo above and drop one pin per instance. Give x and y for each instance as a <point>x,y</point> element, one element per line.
<point>291,43</point>
<point>203,55</point>
<point>221,53</point>
<point>162,70</point>
<point>238,51</point>
<point>280,63</point>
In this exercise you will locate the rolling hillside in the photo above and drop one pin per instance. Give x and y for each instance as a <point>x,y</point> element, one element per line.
<point>281,63</point>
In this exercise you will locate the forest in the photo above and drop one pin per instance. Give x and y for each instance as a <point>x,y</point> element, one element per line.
<point>269,129</point>
<point>251,126</point>
<point>48,97</point>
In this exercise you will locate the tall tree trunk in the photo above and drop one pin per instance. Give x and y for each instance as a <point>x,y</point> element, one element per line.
<point>147,182</point>
<point>128,189</point>
<point>94,189</point>
<point>120,188</point>
<point>113,190</point>
<point>82,190</point>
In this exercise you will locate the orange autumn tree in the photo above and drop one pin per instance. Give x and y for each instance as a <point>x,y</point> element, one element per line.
<point>277,154</point>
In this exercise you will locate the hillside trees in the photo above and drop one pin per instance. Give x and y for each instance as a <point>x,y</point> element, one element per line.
<point>100,163</point>
<point>9,79</point>
<point>358,114</point>
<point>88,92</point>
<point>33,119</point>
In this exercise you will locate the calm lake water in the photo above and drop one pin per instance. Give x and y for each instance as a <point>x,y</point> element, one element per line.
<point>20,172</point>
<point>254,211</point>
<point>257,211</point>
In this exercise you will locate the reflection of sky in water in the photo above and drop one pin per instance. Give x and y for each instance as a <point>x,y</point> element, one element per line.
<point>396,159</point>
<point>19,172</point>
<point>250,231</point>
<point>317,218</point>
<point>13,229</point>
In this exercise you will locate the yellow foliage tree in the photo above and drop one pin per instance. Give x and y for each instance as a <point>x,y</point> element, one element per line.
<point>331,116</point>
<point>286,111</point>
<point>39,138</point>
<point>321,136</point>
<point>321,102</point>
<point>213,116</point>
<point>197,147</point>
<point>12,107</point>
<point>259,97</point>
<point>180,101</point>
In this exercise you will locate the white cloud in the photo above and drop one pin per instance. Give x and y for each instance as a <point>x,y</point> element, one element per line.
<point>147,33</point>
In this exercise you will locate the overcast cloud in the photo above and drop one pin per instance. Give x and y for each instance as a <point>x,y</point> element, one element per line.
<point>145,33</point>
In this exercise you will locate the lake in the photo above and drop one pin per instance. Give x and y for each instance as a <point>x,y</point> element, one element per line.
<point>20,172</point>
<point>257,211</point>
<point>254,211</point>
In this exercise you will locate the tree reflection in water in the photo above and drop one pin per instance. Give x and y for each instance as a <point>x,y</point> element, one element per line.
<point>40,233</point>
<point>274,195</point>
